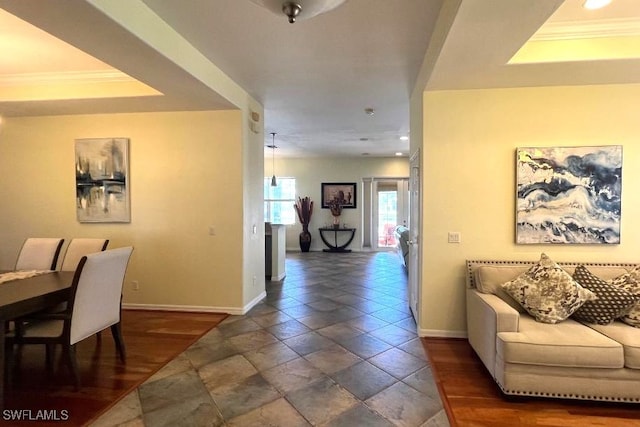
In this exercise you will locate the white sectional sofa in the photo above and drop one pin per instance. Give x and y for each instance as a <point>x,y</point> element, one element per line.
<point>567,359</point>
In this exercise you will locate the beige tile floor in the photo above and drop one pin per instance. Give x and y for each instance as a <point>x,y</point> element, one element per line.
<point>333,344</point>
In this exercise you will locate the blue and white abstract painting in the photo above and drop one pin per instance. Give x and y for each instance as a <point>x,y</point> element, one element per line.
<point>569,195</point>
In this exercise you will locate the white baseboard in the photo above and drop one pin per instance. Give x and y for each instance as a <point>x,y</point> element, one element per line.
<point>278,278</point>
<point>253,302</point>
<point>236,311</point>
<point>435,333</point>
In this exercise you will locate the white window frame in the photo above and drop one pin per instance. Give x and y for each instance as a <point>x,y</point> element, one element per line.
<point>289,217</point>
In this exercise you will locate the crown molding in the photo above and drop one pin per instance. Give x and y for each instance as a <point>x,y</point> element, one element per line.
<point>75,77</point>
<point>624,27</point>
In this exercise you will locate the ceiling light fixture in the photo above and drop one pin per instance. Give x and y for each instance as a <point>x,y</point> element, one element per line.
<point>299,9</point>
<point>398,154</point>
<point>595,4</point>
<point>369,111</point>
<point>273,159</point>
<point>404,138</point>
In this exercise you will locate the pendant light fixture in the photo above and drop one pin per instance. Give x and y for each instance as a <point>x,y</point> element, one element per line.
<point>299,9</point>
<point>273,159</point>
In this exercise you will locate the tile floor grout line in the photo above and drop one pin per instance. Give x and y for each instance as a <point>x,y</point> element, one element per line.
<point>304,369</point>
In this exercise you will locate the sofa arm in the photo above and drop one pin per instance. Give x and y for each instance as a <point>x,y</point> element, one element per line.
<point>487,315</point>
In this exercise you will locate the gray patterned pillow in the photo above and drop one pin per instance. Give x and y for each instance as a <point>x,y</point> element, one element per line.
<point>612,302</point>
<point>630,282</point>
<point>547,292</point>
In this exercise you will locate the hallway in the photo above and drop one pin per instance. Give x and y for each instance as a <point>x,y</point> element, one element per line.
<point>333,344</point>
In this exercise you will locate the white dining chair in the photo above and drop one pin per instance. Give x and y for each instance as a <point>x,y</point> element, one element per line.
<point>79,247</point>
<point>94,305</point>
<point>39,253</point>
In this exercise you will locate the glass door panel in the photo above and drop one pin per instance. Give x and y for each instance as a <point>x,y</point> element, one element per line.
<point>387,218</point>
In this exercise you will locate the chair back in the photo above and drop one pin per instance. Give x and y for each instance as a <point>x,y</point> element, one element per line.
<point>78,248</point>
<point>96,292</point>
<point>39,253</point>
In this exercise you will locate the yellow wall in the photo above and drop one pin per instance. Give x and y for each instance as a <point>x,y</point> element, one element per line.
<point>186,174</point>
<point>311,172</point>
<point>468,179</point>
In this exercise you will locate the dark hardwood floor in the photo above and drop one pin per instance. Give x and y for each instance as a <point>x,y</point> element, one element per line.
<point>152,339</point>
<point>471,397</point>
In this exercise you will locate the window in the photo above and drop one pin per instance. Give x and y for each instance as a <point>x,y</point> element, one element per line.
<point>278,201</point>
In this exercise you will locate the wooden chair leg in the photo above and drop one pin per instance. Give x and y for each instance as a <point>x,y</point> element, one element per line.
<point>116,331</point>
<point>49,356</point>
<point>73,365</point>
<point>9,360</point>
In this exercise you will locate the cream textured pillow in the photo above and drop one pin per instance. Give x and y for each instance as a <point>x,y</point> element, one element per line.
<point>547,292</point>
<point>630,282</point>
<point>612,301</point>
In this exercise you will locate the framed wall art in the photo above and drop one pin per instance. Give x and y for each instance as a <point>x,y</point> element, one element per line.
<point>102,180</point>
<point>344,193</point>
<point>569,195</point>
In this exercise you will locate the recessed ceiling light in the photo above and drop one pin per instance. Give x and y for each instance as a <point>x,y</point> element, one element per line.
<point>364,139</point>
<point>404,138</point>
<point>369,111</point>
<point>398,154</point>
<point>595,4</point>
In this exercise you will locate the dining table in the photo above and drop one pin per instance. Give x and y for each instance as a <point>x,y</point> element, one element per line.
<point>22,295</point>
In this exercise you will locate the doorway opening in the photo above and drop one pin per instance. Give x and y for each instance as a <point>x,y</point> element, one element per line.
<point>386,207</point>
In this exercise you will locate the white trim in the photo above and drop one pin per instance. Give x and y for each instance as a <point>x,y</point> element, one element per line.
<point>236,311</point>
<point>278,277</point>
<point>624,27</point>
<point>75,77</point>
<point>254,301</point>
<point>436,333</point>
<point>185,308</point>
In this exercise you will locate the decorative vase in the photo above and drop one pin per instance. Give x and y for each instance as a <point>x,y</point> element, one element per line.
<point>305,239</point>
<point>336,221</point>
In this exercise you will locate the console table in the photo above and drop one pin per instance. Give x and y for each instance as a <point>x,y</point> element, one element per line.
<point>334,247</point>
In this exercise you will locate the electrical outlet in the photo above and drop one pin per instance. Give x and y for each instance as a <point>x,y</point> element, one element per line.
<point>135,285</point>
<point>454,237</point>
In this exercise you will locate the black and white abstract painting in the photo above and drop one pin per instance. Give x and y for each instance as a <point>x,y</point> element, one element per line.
<point>569,195</point>
<point>102,188</point>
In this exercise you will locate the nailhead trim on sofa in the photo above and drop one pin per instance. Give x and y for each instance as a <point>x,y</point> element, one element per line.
<point>472,263</point>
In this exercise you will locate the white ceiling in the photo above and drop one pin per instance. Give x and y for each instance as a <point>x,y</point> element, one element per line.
<point>315,77</point>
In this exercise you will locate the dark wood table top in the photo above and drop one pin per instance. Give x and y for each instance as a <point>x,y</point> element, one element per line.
<point>25,296</point>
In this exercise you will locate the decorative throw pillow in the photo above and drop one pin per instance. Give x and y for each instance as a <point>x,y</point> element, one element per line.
<point>630,282</point>
<point>630,278</point>
<point>547,292</point>
<point>612,302</point>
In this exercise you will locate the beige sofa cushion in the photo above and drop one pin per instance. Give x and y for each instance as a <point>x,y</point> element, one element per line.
<point>626,335</point>
<point>566,344</point>
<point>488,279</point>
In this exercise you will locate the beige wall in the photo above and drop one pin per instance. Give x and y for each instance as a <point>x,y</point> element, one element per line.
<point>469,175</point>
<point>253,208</point>
<point>311,172</point>
<point>186,174</point>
